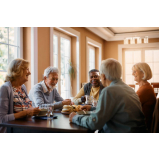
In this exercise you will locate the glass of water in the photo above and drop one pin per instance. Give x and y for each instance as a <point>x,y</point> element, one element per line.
<point>49,112</point>
<point>94,102</point>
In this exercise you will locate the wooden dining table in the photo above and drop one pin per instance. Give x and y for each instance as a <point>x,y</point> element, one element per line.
<point>33,125</point>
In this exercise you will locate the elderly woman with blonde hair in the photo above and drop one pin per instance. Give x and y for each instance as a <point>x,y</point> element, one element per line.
<point>142,72</point>
<point>14,101</point>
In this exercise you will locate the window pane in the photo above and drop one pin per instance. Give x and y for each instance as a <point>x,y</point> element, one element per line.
<point>128,57</point>
<point>65,59</point>
<point>156,78</point>
<point>3,57</point>
<point>2,77</point>
<point>12,53</point>
<point>65,47</point>
<point>148,55</point>
<point>55,60</point>
<point>151,66</point>
<point>129,68</point>
<point>4,34</point>
<point>13,35</point>
<point>129,79</point>
<point>91,59</point>
<point>137,56</point>
<point>156,68</point>
<point>156,55</point>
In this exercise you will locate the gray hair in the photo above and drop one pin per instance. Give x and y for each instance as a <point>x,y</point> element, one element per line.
<point>111,68</point>
<point>145,68</point>
<point>49,70</point>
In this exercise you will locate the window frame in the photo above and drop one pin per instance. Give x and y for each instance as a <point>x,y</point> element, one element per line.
<point>19,44</point>
<point>59,35</point>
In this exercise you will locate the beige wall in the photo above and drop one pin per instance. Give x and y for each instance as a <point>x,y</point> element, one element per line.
<point>83,34</point>
<point>43,50</point>
<point>27,51</point>
<point>111,48</point>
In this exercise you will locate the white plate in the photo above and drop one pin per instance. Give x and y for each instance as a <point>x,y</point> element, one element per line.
<point>82,113</point>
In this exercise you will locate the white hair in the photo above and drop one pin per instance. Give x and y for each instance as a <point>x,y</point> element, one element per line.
<point>111,68</point>
<point>49,70</point>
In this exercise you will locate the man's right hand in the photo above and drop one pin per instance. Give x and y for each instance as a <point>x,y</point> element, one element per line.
<point>86,108</point>
<point>66,102</point>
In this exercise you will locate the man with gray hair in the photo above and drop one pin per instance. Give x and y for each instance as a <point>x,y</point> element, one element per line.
<point>45,93</point>
<point>118,109</point>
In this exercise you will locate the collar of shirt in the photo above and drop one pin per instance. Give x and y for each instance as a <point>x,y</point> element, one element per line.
<point>45,89</point>
<point>115,81</point>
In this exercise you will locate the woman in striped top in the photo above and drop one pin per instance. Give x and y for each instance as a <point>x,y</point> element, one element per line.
<point>14,101</point>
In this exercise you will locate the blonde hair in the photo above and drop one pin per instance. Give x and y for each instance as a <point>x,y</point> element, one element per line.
<point>145,68</point>
<point>15,69</point>
<point>111,68</point>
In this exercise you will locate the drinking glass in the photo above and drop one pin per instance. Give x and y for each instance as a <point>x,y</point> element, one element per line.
<point>94,102</point>
<point>49,112</point>
<point>88,99</point>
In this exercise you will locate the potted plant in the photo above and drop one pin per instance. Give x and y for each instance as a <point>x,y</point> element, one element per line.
<point>72,73</point>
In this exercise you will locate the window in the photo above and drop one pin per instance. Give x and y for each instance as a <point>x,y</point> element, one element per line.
<point>152,58</point>
<point>9,48</point>
<point>91,57</point>
<point>132,56</point>
<point>61,58</point>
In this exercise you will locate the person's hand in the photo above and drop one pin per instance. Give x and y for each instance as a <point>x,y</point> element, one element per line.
<point>33,111</point>
<point>72,103</point>
<point>86,108</point>
<point>71,116</point>
<point>66,102</point>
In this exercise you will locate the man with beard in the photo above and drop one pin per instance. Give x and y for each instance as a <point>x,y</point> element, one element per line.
<point>45,93</point>
<point>93,88</point>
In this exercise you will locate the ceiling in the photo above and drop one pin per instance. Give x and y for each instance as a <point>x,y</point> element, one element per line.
<point>120,33</point>
<point>132,29</point>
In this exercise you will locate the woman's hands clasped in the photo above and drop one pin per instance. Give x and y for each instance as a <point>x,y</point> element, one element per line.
<point>33,111</point>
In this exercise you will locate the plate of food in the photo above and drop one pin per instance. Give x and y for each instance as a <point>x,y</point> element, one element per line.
<point>67,109</point>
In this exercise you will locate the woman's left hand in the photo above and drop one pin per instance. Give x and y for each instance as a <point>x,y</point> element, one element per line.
<point>71,116</point>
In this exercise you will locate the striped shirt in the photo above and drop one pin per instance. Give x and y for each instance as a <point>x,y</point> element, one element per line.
<point>21,101</point>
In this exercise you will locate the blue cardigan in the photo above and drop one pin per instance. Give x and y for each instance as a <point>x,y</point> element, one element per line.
<point>6,103</point>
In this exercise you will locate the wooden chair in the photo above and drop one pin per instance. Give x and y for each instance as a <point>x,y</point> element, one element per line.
<point>155,85</point>
<point>83,84</point>
<point>155,120</point>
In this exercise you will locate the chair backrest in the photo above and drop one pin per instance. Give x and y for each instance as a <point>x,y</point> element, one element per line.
<point>83,84</point>
<point>155,118</point>
<point>155,85</point>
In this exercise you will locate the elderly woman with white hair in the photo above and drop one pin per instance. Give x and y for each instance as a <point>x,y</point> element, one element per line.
<point>14,101</point>
<point>118,108</point>
<point>45,94</point>
<point>142,72</point>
